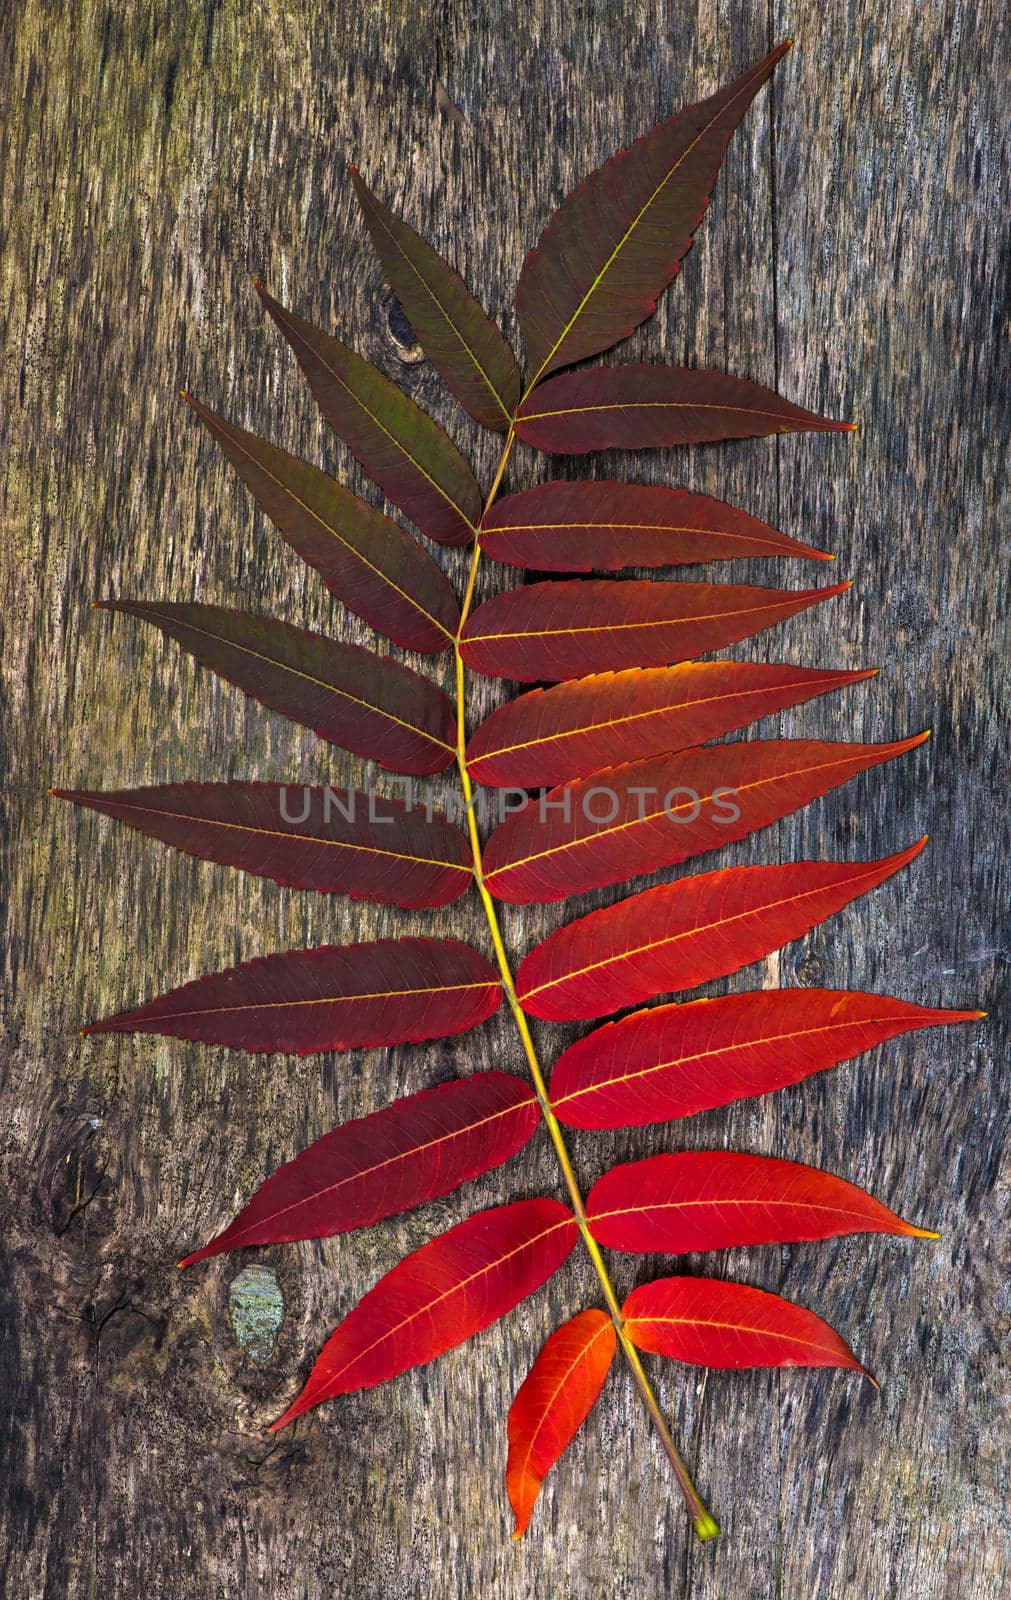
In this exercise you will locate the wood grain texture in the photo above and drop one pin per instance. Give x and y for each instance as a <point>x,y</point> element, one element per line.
<point>153,157</point>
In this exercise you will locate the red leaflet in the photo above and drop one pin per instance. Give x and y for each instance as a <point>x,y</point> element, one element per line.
<point>712,1323</point>
<point>332,840</point>
<point>363,702</point>
<point>560,630</point>
<point>549,735</point>
<point>618,239</point>
<point>649,814</point>
<point>439,1296</point>
<point>396,991</point>
<point>460,340</point>
<point>553,1402</point>
<point>675,1060</point>
<point>582,527</point>
<point>716,1199</point>
<point>412,459</point>
<point>417,1148</point>
<point>688,932</point>
<point>640,407</point>
<point>369,562</point>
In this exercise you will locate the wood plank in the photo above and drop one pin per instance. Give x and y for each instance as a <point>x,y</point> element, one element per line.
<point>152,159</point>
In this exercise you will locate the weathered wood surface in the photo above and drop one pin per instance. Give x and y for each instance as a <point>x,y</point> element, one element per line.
<point>155,155</point>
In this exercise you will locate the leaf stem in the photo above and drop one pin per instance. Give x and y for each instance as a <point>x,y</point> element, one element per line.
<point>704,1523</point>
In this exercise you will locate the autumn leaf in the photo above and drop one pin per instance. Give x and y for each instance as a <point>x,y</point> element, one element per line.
<point>620,742</point>
<point>412,459</point>
<point>366,703</point>
<point>672,1061</point>
<point>711,1322</point>
<point>567,629</point>
<point>550,735</point>
<point>601,526</point>
<point>627,820</point>
<point>716,1199</point>
<point>618,239</point>
<point>687,932</point>
<point>644,407</point>
<point>414,1150</point>
<point>463,344</point>
<point>439,1296</point>
<point>553,1402</point>
<point>340,841</point>
<point>338,997</point>
<point>379,571</point>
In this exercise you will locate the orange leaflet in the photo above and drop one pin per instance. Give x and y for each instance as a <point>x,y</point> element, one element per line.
<point>439,1296</point>
<point>552,1404</point>
<point>624,821</point>
<point>550,735</point>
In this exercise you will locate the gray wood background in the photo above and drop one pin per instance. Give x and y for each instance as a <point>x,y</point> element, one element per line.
<point>152,157</point>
